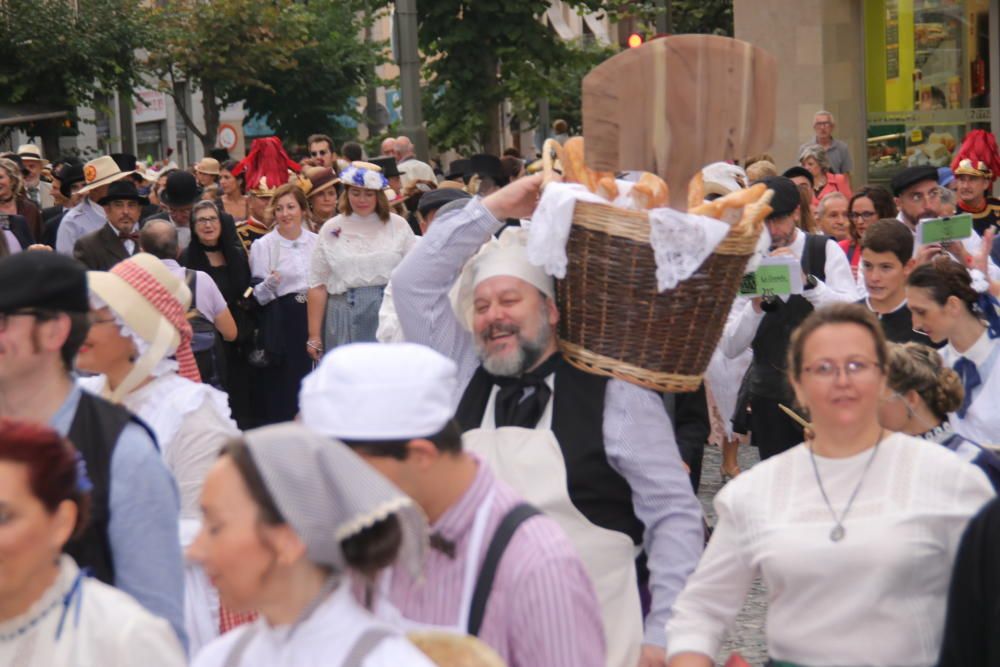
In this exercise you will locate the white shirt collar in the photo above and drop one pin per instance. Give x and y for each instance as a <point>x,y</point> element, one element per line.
<point>798,244</point>
<point>980,350</point>
<point>898,308</point>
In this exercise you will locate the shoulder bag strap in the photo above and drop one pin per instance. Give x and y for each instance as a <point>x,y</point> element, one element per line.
<point>366,643</point>
<point>484,583</point>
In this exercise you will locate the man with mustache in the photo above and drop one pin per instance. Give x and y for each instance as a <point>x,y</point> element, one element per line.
<point>119,238</point>
<point>766,325</point>
<point>598,455</point>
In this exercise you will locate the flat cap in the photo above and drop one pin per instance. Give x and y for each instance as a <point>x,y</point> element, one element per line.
<point>435,199</point>
<point>786,195</point>
<point>47,280</point>
<point>912,176</point>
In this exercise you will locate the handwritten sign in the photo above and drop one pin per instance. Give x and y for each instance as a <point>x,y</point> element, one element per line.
<point>943,230</point>
<point>776,276</point>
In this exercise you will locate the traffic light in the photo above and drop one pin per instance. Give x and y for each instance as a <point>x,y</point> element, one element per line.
<point>634,40</point>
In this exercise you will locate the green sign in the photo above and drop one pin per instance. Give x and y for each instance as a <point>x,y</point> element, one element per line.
<point>943,230</point>
<point>773,278</point>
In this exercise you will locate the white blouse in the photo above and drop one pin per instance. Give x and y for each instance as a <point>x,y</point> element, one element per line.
<point>875,598</point>
<point>981,423</point>
<point>324,638</point>
<point>273,252</point>
<point>110,630</point>
<point>355,251</point>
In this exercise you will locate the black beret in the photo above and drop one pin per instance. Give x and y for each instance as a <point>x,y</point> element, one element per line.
<point>44,280</point>
<point>786,195</point>
<point>911,176</point>
<point>435,199</point>
<point>800,171</point>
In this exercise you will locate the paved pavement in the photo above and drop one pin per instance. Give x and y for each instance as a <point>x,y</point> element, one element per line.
<point>747,637</point>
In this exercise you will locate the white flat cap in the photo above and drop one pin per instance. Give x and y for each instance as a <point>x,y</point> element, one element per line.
<point>373,391</point>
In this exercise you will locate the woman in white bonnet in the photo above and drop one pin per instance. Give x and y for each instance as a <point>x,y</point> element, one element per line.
<point>290,516</point>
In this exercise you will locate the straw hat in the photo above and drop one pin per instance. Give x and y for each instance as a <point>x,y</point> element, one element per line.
<point>319,179</point>
<point>31,152</point>
<point>208,165</point>
<point>102,171</point>
<point>153,303</point>
<point>451,650</point>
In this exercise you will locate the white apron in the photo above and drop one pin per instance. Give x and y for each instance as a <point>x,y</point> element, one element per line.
<point>387,612</point>
<point>531,461</point>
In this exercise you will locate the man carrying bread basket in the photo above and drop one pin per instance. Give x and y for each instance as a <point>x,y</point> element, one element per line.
<point>596,454</point>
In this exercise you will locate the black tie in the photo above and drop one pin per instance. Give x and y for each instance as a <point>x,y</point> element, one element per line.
<point>521,401</point>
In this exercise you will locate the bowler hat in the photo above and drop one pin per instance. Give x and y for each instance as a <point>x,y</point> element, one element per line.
<point>44,280</point>
<point>120,190</point>
<point>457,170</point>
<point>69,174</point>
<point>786,195</point>
<point>182,189</point>
<point>485,165</point>
<point>800,171</point>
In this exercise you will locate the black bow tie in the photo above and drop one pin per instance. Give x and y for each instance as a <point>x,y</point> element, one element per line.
<point>515,405</point>
<point>441,543</point>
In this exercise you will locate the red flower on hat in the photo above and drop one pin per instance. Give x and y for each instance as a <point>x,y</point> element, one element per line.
<point>89,173</point>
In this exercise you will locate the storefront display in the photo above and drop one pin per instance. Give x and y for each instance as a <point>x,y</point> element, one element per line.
<point>927,72</point>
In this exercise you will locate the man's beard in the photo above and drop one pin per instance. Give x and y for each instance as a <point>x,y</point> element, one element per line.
<point>527,354</point>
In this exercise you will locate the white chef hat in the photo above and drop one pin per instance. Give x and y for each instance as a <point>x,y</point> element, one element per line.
<point>372,391</point>
<point>506,256</point>
<point>721,178</point>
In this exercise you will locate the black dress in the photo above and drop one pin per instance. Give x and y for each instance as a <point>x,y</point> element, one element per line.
<point>232,279</point>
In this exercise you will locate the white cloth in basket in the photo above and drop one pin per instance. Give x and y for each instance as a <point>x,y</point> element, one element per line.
<point>681,241</point>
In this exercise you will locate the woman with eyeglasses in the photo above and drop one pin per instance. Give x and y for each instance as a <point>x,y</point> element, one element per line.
<point>867,205</point>
<point>949,307</point>
<point>853,532</point>
<point>924,391</point>
<point>216,250</point>
<point>52,613</point>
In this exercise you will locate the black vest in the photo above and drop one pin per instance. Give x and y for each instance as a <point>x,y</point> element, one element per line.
<point>595,488</point>
<point>96,427</point>
<point>898,327</point>
<point>768,377</point>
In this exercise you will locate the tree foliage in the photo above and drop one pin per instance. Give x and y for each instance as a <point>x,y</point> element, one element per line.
<point>63,53</point>
<point>713,17</point>
<point>225,48</point>
<point>334,67</point>
<point>478,54</point>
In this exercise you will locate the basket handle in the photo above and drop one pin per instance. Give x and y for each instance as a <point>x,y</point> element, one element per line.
<point>551,151</point>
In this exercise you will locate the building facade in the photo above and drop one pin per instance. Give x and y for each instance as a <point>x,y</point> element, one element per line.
<point>905,79</point>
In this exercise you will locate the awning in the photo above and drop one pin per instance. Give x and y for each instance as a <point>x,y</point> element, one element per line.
<point>21,114</point>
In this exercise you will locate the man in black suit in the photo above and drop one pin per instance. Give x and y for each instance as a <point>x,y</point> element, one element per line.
<point>117,240</point>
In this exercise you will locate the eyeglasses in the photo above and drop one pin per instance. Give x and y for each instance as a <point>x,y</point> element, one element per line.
<point>319,153</point>
<point>823,123</point>
<point>828,370</point>
<point>94,319</point>
<point>862,215</point>
<point>206,220</point>
<point>920,197</point>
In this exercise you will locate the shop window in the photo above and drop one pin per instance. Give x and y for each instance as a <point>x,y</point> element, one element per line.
<point>927,75</point>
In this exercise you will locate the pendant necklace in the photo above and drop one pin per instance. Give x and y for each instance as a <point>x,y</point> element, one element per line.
<point>838,531</point>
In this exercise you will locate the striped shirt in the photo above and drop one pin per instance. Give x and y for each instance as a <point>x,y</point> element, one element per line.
<point>638,435</point>
<point>542,611</point>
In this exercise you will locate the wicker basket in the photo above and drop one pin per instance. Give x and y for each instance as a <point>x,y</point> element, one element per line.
<point>613,321</point>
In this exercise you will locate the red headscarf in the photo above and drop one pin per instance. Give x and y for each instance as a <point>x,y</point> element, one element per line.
<point>267,157</point>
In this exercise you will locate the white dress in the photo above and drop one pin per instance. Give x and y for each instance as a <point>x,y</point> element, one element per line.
<point>110,630</point>
<point>324,639</point>
<point>877,597</point>
<point>192,423</point>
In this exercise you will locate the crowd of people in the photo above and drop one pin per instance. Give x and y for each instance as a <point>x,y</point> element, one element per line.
<point>300,412</point>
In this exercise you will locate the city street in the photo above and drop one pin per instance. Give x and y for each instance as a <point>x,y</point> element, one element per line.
<point>747,637</point>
